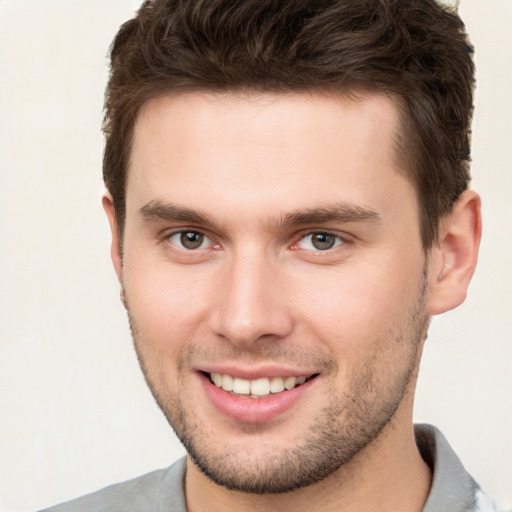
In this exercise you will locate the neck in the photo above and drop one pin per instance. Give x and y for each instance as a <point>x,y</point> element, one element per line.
<point>387,475</point>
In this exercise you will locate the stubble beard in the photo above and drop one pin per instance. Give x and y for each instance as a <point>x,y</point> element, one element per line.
<point>345,426</point>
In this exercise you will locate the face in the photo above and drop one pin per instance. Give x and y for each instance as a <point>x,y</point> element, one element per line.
<point>275,280</point>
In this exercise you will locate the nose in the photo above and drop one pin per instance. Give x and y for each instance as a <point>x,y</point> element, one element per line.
<point>251,302</point>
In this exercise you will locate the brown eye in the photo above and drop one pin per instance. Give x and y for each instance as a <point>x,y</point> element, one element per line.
<point>189,240</point>
<point>323,241</point>
<point>320,241</point>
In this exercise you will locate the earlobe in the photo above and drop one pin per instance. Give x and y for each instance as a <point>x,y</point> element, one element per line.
<point>115,248</point>
<point>454,259</point>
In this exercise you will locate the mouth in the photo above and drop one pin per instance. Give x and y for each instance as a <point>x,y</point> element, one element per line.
<point>257,388</point>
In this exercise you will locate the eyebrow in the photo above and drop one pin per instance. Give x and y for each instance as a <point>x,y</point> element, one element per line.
<point>155,210</point>
<point>340,212</point>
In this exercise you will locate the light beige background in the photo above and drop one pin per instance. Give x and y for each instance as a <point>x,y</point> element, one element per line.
<point>74,412</point>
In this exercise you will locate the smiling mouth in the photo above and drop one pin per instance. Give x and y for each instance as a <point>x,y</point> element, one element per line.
<point>257,388</point>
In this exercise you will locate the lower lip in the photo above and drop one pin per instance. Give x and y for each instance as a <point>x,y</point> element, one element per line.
<point>253,410</point>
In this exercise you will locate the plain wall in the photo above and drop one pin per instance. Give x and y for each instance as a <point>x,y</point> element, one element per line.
<point>75,414</point>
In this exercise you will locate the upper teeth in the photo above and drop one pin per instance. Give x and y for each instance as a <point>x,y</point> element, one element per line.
<point>257,387</point>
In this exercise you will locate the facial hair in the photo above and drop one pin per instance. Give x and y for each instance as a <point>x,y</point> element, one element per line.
<point>343,427</point>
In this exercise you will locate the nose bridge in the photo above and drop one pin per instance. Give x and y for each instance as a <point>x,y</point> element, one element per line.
<point>251,305</point>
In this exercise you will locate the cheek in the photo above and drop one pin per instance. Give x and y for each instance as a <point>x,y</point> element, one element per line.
<point>355,304</point>
<point>167,305</point>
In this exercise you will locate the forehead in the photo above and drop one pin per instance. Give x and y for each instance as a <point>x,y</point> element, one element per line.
<point>275,119</point>
<point>264,150</point>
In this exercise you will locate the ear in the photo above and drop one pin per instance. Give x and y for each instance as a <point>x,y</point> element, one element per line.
<point>453,260</point>
<point>115,248</point>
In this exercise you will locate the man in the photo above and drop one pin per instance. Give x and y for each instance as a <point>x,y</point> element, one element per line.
<point>289,205</point>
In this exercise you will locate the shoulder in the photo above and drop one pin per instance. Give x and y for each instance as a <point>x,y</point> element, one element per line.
<point>452,488</point>
<point>485,504</point>
<point>142,494</point>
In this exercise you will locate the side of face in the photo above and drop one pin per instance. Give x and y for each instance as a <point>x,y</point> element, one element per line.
<point>275,279</point>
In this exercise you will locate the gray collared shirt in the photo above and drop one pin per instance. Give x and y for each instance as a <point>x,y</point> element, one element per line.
<point>453,489</point>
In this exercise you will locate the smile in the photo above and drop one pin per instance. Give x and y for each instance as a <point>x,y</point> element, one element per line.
<point>256,388</point>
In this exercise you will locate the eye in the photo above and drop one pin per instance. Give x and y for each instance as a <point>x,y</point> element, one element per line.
<point>319,241</point>
<point>190,240</point>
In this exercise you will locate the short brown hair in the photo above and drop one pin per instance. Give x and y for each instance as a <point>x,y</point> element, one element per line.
<point>414,50</point>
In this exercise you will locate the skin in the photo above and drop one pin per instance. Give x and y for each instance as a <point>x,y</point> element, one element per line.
<point>257,297</point>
